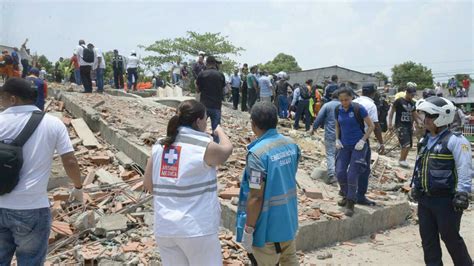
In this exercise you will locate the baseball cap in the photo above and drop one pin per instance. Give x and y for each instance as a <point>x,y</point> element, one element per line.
<point>34,71</point>
<point>21,88</point>
<point>411,90</point>
<point>201,53</point>
<point>369,88</point>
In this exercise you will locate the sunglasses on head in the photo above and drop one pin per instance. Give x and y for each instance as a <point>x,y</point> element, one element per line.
<point>431,116</point>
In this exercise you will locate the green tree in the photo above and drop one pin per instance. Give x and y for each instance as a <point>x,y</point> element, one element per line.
<point>281,62</point>
<point>187,47</point>
<point>109,72</point>
<point>381,76</point>
<point>410,71</point>
<point>460,77</point>
<point>44,62</point>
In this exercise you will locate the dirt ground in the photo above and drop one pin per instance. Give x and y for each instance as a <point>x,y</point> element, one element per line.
<point>400,246</point>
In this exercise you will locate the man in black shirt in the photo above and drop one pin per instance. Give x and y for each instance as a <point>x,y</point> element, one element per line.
<point>117,66</point>
<point>282,87</point>
<point>210,83</point>
<point>405,115</point>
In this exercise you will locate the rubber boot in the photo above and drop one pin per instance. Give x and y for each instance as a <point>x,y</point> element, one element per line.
<point>342,202</point>
<point>349,208</point>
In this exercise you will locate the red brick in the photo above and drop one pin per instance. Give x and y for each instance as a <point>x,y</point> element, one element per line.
<point>230,193</point>
<point>127,175</point>
<point>100,160</point>
<point>313,193</point>
<point>61,196</point>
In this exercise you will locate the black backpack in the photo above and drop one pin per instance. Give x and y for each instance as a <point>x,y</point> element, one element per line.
<point>88,55</point>
<point>11,155</point>
<point>359,118</point>
<point>304,92</point>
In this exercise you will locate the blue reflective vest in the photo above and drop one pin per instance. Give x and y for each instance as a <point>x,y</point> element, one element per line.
<point>278,220</point>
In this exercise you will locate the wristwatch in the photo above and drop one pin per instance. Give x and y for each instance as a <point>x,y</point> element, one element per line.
<point>249,229</point>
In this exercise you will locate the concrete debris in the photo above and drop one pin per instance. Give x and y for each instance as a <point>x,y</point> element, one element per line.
<point>115,224</point>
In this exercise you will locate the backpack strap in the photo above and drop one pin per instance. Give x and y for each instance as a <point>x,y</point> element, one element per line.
<point>29,129</point>
<point>336,116</point>
<point>359,118</point>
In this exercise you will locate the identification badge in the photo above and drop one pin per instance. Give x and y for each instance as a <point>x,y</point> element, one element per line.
<point>256,178</point>
<point>170,162</point>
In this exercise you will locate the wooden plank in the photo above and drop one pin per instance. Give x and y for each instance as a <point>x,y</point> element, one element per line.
<point>83,131</point>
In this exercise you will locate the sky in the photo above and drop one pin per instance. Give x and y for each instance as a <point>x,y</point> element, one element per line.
<point>367,36</point>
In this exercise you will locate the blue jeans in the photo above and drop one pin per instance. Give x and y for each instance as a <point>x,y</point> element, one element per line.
<point>25,233</point>
<point>283,105</point>
<point>215,116</point>
<point>350,164</point>
<point>77,76</point>
<point>176,78</point>
<point>100,79</point>
<point>330,146</point>
<point>132,77</point>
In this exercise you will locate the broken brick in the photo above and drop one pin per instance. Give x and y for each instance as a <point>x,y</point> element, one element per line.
<point>230,193</point>
<point>313,193</point>
<point>126,175</point>
<point>100,160</point>
<point>61,228</point>
<point>61,196</point>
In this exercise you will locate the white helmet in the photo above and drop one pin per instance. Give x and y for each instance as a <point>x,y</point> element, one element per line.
<point>442,107</point>
<point>411,84</point>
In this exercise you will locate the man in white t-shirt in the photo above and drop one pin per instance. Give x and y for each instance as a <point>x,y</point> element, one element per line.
<point>25,217</point>
<point>366,100</point>
<point>132,70</point>
<point>99,68</point>
<point>86,56</point>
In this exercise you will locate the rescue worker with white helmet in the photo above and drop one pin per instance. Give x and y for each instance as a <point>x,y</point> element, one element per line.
<point>182,175</point>
<point>441,182</point>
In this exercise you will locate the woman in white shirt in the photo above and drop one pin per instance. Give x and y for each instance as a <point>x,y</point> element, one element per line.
<point>181,173</point>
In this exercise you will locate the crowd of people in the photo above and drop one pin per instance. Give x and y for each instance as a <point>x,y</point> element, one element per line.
<point>182,170</point>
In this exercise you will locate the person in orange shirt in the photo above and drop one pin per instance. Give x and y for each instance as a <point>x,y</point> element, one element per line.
<point>6,64</point>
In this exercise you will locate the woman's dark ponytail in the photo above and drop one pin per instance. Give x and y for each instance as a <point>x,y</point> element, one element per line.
<point>187,114</point>
<point>171,131</point>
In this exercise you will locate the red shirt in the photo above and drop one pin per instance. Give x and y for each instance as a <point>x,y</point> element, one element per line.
<point>75,62</point>
<point>466,83</point>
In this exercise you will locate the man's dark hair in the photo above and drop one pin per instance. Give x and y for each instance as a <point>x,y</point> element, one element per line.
<point>81,42</point>
<point>309,81</point>
<point>21,88</point>
<point>264,115</point>
<point>334,78</point>
<point>346,91</point>
<point>335,94</point>
<point>368,90</point>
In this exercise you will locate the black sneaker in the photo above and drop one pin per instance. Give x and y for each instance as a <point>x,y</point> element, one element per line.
<point>342,202</point>
<point>349,208</point>
<point>366,202</point>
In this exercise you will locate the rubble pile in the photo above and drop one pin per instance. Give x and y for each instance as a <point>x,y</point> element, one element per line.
<point>115,222</point>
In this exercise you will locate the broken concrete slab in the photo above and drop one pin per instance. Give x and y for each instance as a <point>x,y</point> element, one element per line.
<point>83,131</point>
<point>85,221</point>
<point>124,160</point>
<point>319,173</point>
<point>106,177</point>
<point>113,222</point>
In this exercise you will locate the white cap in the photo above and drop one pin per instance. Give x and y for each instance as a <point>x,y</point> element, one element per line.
<point>133,52</point>
<point>201,53</point>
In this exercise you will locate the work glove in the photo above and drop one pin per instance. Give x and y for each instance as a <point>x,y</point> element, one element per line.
<point>339,144</point>
<point>360,145</point>
<point>461,201</point>
<point>77,195</point>
<point>415,194</point>
<point>247,239</point>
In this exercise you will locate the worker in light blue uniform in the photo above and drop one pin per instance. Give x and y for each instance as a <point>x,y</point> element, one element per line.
<point>326,118</point>
<point>441,182</point>
<point>267,216</point>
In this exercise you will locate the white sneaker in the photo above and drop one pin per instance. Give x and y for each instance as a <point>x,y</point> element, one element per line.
<point>403,164</point>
